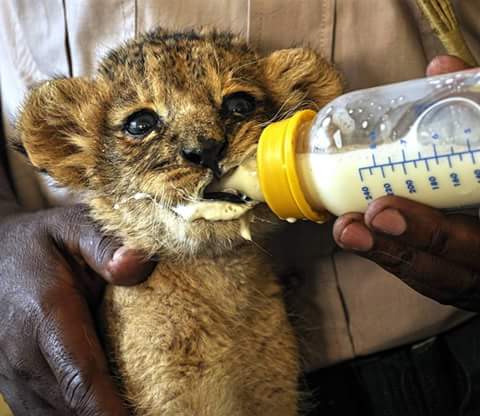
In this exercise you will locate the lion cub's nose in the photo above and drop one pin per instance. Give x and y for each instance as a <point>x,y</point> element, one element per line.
<point>207,153</point>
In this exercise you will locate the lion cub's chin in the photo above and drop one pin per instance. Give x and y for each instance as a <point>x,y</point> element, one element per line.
<point>214,227</point>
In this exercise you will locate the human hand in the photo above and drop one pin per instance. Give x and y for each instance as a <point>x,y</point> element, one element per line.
<point>51,268</point>
<point>436,254</point>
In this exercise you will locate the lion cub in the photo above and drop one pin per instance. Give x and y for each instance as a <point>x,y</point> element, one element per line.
<point>207,334</point>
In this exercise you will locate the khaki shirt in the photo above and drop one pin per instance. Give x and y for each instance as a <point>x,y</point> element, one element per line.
<point>346,306</point>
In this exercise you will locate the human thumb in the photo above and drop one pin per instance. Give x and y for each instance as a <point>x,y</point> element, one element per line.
<point>73,230</point>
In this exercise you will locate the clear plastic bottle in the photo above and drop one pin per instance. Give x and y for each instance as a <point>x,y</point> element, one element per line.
<point>418,139</point>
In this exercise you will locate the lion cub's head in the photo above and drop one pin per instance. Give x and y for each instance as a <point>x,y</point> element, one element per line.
<point>165,115</point>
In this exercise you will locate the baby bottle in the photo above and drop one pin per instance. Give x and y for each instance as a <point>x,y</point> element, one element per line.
<point>418,139</point>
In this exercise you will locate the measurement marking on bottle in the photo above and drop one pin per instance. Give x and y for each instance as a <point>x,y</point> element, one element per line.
<point>455,179</point>
<point>411,186</point>
<point>425,159</point>
<point>477,174</point>
<point>404,159</point>
<point>426,164</point>
<point>391,164</point>
<point>435,153</point>
<point>449,158</point>
<point>472,154</point>
<point>433,183</point>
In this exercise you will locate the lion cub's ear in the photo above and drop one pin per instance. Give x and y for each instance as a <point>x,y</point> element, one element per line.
<point>300,78</point>
<point>60,126</point>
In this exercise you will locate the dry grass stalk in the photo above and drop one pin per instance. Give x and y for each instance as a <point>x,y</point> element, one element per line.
<point>441,16</point>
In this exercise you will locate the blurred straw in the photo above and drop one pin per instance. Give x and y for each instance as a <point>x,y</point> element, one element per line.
<point>4,411</point>
<point>441,17</point>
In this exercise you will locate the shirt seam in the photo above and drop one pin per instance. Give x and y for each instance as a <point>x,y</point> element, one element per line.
<point>68,52</point>
<point>344,306</point>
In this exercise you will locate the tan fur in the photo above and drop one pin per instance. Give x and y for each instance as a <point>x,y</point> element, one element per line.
<point>207,334</point>
<point>236,356</point>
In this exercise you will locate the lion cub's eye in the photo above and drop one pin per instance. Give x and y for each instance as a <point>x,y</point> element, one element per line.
<point>238,104</point>
<point>141,123</point>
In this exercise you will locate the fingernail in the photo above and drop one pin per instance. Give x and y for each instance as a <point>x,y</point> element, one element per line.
<point>356,237</point>
<point>389,221</point>
<point>123,254</point>
<point>128,267</point>
<point>121,257</point>
<point>119,254</point>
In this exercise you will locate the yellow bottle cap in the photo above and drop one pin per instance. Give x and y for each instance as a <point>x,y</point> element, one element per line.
<point>277,170</point>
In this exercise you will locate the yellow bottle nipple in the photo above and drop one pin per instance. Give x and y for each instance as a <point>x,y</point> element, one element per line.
<point>277,171</point>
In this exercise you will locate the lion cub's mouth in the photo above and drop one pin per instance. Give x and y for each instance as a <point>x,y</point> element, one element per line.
<point>225,200</point>
<point>228,198</point>
<point>212,210</point>
<point>216,205</point>
<point>228,195</point>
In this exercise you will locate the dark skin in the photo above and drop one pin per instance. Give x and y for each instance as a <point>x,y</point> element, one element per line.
<point>53,267</point>
<point>51,362</point>
<point>434,253</point>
